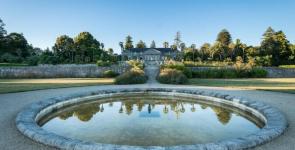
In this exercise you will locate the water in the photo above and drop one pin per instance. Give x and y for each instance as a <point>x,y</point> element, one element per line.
<point>150,120</point>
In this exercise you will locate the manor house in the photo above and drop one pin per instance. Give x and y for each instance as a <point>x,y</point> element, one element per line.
<point>151,55</point>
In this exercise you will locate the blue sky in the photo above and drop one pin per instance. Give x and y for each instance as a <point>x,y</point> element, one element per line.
<point>110,21</point>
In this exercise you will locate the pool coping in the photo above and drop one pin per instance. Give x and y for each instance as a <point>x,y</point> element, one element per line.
<point>26,120</point>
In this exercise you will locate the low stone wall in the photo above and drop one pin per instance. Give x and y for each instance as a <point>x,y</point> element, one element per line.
<point>272,72</point>
<point>275,72</point>
<point>58,71</point>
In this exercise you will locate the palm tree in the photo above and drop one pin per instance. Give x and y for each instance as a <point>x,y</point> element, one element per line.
<point>166,44</point>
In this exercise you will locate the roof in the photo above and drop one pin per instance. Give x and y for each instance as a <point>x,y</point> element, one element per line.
<point>162,50</point>
<point>152,51</point>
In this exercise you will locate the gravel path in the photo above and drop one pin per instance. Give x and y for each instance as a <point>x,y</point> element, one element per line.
<point>12,103</point>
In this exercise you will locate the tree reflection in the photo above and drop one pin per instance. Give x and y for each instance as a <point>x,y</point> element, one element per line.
<point>66,115</point>
<point>149,108</point>
<point>86,112</point>
<point>128,107</point>
<point>193,109</point>
<point>223,115</point>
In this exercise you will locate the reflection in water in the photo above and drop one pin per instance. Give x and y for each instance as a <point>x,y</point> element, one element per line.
<point>86,112</point>
<point>162,120</point>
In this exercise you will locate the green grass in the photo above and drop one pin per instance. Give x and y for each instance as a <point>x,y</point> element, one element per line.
<point>287,66</point>
<point>12,65</point>
<point>21,85</point>
<point>268,84</point>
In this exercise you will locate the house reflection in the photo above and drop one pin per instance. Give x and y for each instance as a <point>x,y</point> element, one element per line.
<point>87,111</point>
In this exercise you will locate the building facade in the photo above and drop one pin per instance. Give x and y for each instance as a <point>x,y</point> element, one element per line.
<point>151,55</point>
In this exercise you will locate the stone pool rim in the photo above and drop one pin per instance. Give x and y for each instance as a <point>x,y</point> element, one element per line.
<point>275,121</point>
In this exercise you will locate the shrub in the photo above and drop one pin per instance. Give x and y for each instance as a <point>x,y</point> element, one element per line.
<point>136,64</point>
<point>109,74</point>
<point>133,76</point>
<point>230,73</point>
<point>171,76</point>
<point>101,63</point>
<point>9,58</point>
<point>287,66</point>
<point>258,73</point>
<point>263,60</point>
<point>178,66</point>
<point>33,60</point>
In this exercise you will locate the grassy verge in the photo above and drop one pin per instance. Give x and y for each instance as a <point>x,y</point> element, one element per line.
<point>21,85</point>
<point>12,65</point>
<point>268,84</point>
<point>287,66</point>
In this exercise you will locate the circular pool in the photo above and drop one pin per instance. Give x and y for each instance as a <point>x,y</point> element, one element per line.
<point>153,118</point>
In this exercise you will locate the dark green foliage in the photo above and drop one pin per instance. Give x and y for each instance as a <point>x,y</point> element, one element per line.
<point>33,60</point>
<point>263,60</point>
<point>9,58</point>
<point>276,45</point>
<point>140,44</point>
<point>47,57</point>
<point>224,37</point>
<point>64,48</point>
<point>171,76</point>
<point>257,73</point>
<point>230,73</point>
<point>133,76</point>
<point>109,74</point>
<point>128,42</point>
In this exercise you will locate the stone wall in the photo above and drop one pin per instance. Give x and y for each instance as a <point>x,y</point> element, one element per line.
<point>275,72</point>
<point>58,71</point>
<point>272,72</point>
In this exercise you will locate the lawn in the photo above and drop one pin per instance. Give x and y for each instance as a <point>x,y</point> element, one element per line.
<point>21,85</point>
<point>12,65</point>
<point>270,84</point>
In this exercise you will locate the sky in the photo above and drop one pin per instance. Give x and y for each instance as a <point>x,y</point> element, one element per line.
<point>110,21</point>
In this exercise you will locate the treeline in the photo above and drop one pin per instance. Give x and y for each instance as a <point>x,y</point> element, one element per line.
<point>83,48</point>
<point>274,50</point>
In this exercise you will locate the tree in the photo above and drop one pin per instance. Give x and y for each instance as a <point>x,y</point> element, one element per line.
<point>177,39</point>
<point>17,45</point>
<point>193,47</point>
<point>224,37</point>
<point>267,44</point>
<point>238,49</point>
<point>221,46</point>
<point>2,34</point>
<point>205,51</point>
<point>87,48</point>
<point>166,44</point>
<point>64,48</point>
<point>182,46</point>
<point>153,44</point>
<point>129,42</point>
<point>110,51</point>
<point>283,46</point>
<point>217,50</point>
<point>140,44</point>
<point>276,45</point>
<point>102,46</point>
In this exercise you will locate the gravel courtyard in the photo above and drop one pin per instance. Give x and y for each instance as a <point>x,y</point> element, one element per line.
<point>12,103</point>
